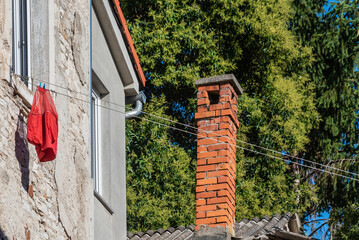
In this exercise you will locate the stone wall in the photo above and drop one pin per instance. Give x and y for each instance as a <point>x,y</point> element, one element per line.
<point>50,200</point>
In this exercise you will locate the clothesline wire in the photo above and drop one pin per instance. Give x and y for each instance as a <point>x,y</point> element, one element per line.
<point>250,150</point>
<point>200,130</point>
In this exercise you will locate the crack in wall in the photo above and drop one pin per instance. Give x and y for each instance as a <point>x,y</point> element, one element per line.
<point>75,48</point>
<point>58,206</point>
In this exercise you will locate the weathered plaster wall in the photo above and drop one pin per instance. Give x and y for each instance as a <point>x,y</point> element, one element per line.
<point>50,200</point>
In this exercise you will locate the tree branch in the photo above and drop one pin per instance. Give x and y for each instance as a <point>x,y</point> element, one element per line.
<point>322,225</point>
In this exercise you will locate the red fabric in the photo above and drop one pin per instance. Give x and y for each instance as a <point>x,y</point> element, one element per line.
<point>42,125</point>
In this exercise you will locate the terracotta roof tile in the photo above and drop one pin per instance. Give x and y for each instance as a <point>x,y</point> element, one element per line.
<point>131,47</point>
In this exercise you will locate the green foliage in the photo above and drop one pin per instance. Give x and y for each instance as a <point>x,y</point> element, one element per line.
<point>160,176</point>
<point>277,110</point>
<point>181,41</point>
<point>349,227</point>
<point>333,36</point>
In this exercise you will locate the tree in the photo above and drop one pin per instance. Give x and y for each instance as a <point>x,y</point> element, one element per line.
<point>175,50</point>
<point>332,31</point>
<point>181,41</point>
<point>160,176</point>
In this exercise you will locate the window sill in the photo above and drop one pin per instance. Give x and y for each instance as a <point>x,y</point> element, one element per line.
<point>103,202</point>
<point>22,91</point>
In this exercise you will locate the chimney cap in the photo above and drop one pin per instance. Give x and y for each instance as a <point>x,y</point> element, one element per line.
<point>226,78</point>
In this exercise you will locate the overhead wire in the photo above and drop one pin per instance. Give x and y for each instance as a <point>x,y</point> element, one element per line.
<point>197,129</point>
<point>193,133</point>
<point>200,130</point>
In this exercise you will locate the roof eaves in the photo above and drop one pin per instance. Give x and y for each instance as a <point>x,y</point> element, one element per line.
<point>131,47</point>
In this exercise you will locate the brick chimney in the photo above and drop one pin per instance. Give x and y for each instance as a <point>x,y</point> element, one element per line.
<point>217,122</point>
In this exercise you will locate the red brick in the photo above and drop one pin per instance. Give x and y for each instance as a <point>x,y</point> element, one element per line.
<point>223,166</point>
<point>236,122</point>
<point>202,94</point>
<point>201,162</point>
<point>206,154</point>
<point>203,101</point>
<point>206,208</point>
<point>201,135</point>
<point>223,219</point>
<point>201,148</point>
<point>206,168</point>
<point>205,114</point>
<point>226,223</point>
<point>202,109</point>
<point>207,141</point>
<point>200,202</point>
<point>225,139</point>
<point>219,133</point>
<point>200,215</point>
<point>200,189</point>
<point>234,108</point>
<point>218,187</point>
<point>224,179</point>
<point>218,173</point>
<point>201,175</point>
<point>218,160</point>
<point>220,119</point>
<point>220,106</point>
<point>210,88</point>
<point>220,146</point>
<point>224,193</point>
<point>228,112</point>
<point>217,200</point>
<point>207,128</point>
<point>232,206</point>
<point>225,99</point>
<point>206,195</point>
<point>228,180</point>
<point>222,206</point>
<point>224,152</point>
<point>216,213</point>
<point>224,92</point>
<point>228,85</point>
<point>206,181</point>
<point>225,126</point>
<point>202,122</point>
<point>204,221</point>
<point>234,102</point>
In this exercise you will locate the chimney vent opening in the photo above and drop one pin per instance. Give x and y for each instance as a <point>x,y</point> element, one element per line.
<point>213,97</point>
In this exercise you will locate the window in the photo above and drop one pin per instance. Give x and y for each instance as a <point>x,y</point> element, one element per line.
<point>96,141</point>
<point>21,39</point>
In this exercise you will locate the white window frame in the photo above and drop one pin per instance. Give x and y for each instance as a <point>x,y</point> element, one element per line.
<point>22,40</point>
<point>96,142</point>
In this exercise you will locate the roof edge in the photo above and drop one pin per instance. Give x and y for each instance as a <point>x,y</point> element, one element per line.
<point>131,47</point>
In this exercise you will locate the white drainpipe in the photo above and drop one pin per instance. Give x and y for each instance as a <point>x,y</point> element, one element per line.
<point>139,99</point>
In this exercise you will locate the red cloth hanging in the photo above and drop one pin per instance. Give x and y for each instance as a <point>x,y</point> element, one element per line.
<point>42,125</point>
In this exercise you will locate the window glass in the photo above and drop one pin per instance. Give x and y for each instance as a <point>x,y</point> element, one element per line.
<point>96,135</point>
<point>21,39</point>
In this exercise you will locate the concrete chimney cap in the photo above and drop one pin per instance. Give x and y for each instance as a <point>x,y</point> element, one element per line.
<point>227,78</point>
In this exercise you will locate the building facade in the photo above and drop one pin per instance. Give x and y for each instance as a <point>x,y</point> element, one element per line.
<point>82,193</point>
<point>117,79</point>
